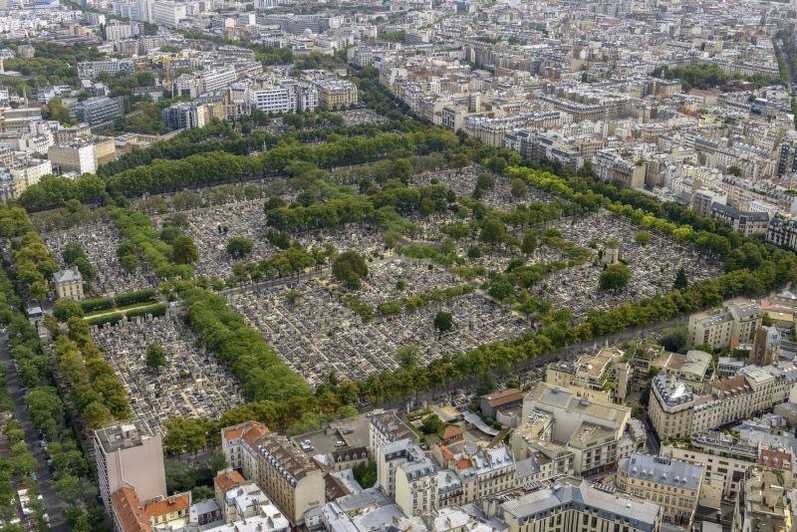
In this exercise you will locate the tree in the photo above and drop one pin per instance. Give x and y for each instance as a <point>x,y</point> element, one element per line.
<point>615,277</point>
<point>529,243</point>
<point>443,321</point>
<point>407,355</point>
<point>681,281</point>
<point>432,424</point>
<point>349,268</point>
<point>493,231</point>
<point>500,288</point>
<point>365,473</point>
<point>55,110</point>
<point>156,356</point>
<point>65,308</point>
<point>185,435</point>
<point>519,188</point>
<point>239,246</point>
<point>642,238</point>
<point>183,250</point>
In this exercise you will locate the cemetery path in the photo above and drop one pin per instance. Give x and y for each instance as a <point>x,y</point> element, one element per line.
<point>16,392</point>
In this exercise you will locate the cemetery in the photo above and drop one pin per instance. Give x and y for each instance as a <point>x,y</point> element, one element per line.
<point>100,241</point>
<point>187,381</point>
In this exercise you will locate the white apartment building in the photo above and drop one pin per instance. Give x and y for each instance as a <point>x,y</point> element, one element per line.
<point>168,13</point>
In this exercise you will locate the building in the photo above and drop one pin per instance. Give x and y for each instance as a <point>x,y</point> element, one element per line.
<point>594,431</point>
<point>765,502</point>
<point>291,480</point>
<point>287,97</point>
<point>730,326</point>
<point>782,231</point>
<point>766,345</point>
<point>168,13</point>
<point>116,31</point>
<point>672,484</point>
<point>385,426</point>
<point>76,156</point>
<point>129,455</point>
<point>726,458</point>
<point>602,376</point>
<point>127,512</point>
<point>92,69</point>
<point>416,487</point>
<point>69,284</point>
<point>573,505</point>
<point>491,403</point>
<point>676,411</point>
<point>334,94</point>
<point>99,110</point>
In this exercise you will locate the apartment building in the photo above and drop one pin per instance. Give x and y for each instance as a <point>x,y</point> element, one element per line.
<point>732,325</point>
<point>168,13</point>
<point>765,502</point>
<point>116,31</point>
<point>99,110</point>
<point>334,94</point>
<point>76,156</point>
<point>92,69</point>
<point>385,426</point>
<point>676,411</point>
<point>416,488</point>
<point>782,231</point>
<point>594,431</point>
<point>574,505</point>
<point>291,480</point>
<point>22,173</point>
<point>287,97</point>
<point>129,455</point>
<point>602,376</point>
<point>672,484</point>
<point>608,165</point>
<point>723,457</point>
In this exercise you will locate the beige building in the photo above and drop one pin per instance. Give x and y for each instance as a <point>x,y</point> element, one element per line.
<point>129,455</point>
<point>595,432</point>
<point>602,376</point>
<point>676,411</point>
<point>290,479</point>
<point>672,484</point>
<point>336,94</point>
<point>68,283</point>
<point>732,325</point>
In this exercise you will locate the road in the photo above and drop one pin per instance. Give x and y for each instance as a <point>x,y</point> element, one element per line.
<point>52,503</point>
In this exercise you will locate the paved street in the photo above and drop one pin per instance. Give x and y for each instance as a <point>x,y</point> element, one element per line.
<point>52,503</point>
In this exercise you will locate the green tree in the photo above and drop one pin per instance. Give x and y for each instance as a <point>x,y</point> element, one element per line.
<point>156,356</point>
<point>642,238</point>
<point>183,250</point>
<point>185,435</point>
<point>681,281</point>
<point>432,424</point>
<point>615,277</point>
<point>443,321</point>
<point>65,308</point>
<point>239,246</point>
<point>493,231</point>
<point>407,355</point>
<point>349,268</point>
<point>365,473</point>
<point>519,188</point>
<point>529,243</point>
